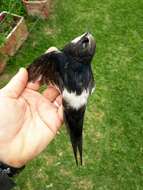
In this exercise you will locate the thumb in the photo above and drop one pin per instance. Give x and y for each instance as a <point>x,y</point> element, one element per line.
<point>16,85</point>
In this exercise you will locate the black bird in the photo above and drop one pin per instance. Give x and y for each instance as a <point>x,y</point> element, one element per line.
<point>70,70</point>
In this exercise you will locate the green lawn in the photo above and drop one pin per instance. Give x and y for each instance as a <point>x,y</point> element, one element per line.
<point>113,130</point>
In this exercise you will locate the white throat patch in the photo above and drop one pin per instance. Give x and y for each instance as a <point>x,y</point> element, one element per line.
<point>75,101</point>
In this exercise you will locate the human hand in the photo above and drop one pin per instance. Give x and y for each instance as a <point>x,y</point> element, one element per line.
<point>28,120</point>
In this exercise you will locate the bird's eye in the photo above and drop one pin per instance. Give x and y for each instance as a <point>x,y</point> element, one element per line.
<point>85,42</point>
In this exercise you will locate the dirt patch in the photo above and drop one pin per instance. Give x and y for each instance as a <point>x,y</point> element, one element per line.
<point>99,115</point>
<point>49,31</point>
<point>50,159</point>
<point>65,172</point>
<point>84,184</point>
<point>4,77</point>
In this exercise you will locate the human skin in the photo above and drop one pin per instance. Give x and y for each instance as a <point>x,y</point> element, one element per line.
<point>29,120</point>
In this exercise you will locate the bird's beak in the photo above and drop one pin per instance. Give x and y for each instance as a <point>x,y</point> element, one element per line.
<point>92,44</point>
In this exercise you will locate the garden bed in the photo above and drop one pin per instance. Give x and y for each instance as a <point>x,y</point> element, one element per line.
<point>13,32</point>
<point>38,8</point>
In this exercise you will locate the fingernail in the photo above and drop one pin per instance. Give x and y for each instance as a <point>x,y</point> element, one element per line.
<point>21,69</point>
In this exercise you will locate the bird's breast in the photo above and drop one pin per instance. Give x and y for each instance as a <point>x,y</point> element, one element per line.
<point>74,100</point>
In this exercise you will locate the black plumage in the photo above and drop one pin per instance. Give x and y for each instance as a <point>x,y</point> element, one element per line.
<point>70,70</point>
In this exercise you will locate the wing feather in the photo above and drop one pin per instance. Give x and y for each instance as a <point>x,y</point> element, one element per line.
<point>45,70</point>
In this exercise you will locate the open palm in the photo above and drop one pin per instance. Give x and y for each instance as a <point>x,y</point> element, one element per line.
<point>29,120</point>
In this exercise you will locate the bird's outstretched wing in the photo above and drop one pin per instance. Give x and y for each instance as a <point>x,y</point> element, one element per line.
<point>45,69</point>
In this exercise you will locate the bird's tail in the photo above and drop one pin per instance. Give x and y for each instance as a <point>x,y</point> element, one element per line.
<point>77,148</point>
<point>74,123</point>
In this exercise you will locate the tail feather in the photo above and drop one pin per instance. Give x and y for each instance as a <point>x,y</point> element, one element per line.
<point>74,146</point>
<point>80,150</point>
<point>77,148</point>
<point>74,123</point>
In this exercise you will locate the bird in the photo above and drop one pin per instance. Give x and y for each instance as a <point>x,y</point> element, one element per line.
<point>69,69</point>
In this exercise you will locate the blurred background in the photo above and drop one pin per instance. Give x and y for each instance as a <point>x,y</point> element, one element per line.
<point>113,127</point>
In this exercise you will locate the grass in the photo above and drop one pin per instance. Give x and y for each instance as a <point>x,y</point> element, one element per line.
<point>113,129</point>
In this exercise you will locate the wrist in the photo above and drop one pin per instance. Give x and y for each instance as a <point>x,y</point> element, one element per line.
<point>9,170</point>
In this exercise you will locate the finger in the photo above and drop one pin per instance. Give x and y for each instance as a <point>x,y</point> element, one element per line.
<point>16,85</point>
<point>50,116</point>
<point>51,93</point>
<point>33,86</point>
<point>60,114</point>
<point>58,101</point>
<point>51,49</point>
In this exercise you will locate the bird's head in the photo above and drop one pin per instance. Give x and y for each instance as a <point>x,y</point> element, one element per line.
<point>81,48</point>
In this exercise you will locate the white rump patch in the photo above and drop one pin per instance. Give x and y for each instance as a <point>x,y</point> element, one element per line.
<point>74,100</point>
<point>77,39</point>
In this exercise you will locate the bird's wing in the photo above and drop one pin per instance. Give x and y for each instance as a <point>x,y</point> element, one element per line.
<point>45,69</point>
